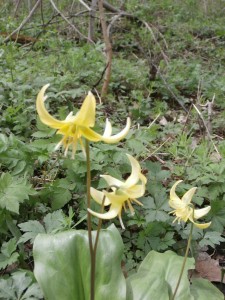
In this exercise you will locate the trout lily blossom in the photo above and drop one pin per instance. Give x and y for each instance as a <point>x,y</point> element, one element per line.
<point>122,193</point>
<point>184,210</point>
<point>74,127</point>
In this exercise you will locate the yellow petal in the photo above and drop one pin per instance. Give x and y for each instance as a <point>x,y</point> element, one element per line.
<point>99,196</point>
<point>201,225</point>
<point>116,199</point>
<point>135,171</point>
<point>173,195</point>
<point>136,191</point>
<point>45,117</point>
<point>108,129</point>
<point>86,115</point>
<point>112,182</point>
<point>143,178</point>
<point>187,197</point>
<point>119,136</point>
<point>112,213</point>
<point>90,134</point>
<point>199,213</point>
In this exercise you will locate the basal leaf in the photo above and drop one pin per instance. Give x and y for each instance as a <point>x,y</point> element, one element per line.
<point>62,265</point>
<point>203,289</point>
<point>157,277</point>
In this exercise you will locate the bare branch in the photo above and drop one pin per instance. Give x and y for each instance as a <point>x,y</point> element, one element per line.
<point>108,49</point>
<point>85,5</point>
<point>207,130</point>
<point>92,20</point>
<point>67,21</point>
<point>17,30</point>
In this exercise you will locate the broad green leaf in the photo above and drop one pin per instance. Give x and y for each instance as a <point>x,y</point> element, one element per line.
<point>203,289</point>
<point>13,191</point>
<point>62,265</point>
<point>157,277</point>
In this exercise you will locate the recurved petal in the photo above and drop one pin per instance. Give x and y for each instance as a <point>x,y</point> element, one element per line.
<point>108,129</point>
<point>201,225</point>
<point>99,196</point>
<point>45,117</point>
<point>86,115</point>
<point>143,178</point>
<point>90,134</point>
<point>173,195</point>
<point>187,197</point>
<point>117,137</point>
<point>199,213</point>
<point>111,181</point>
<point>135,172</point>
<point>112,213</point>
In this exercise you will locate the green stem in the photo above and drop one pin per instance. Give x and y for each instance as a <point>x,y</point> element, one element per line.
<point>99,228</point>
<point>184,262</point>
<point>92,279</point>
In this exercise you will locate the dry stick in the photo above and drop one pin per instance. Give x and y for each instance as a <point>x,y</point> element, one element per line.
<point>42,14</point>
<point>16,8</point>
<point>109,7</point>
<point>123,14</point>
<point>67,21</point>
<point>155,40</point>
<point>172,93</point>
<point>85,5</point>
<point>91,27</point>
<point>37,36</point>
<point>108,50</point>
<point>17,30</point>
<point>206,127</point>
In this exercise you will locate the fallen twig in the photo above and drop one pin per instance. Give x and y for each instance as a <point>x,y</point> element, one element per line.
<point>17,30</point>
<point>67,21</point>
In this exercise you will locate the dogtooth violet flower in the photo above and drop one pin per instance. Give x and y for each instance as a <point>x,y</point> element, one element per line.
<point>122,192</point>
<point>184,210</point>
<point>74,127</point>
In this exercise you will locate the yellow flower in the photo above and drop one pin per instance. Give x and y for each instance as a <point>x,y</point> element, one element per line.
<point>74,127</point>
<point>184,210</point>
<point>123,192</point>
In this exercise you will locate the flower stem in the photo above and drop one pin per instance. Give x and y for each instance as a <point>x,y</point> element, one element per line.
<point>92,278</point>
<point>184,262</point>
<point>99,228</point>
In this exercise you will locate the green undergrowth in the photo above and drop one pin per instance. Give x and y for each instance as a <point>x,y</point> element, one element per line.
<point>156,76</point>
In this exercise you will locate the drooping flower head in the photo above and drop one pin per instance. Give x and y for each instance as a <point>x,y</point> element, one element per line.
<point>184,209</point>
<point>122,193</point>
<point>74,127</point>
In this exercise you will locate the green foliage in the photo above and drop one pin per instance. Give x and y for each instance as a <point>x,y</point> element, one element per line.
<point>13,191</point>
<point>8,254</point>
<point>19,286</point>
<point>180,58</point>
<point>157,277</point>
<point>52,223</point>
